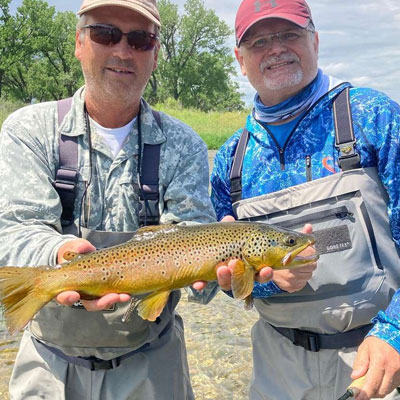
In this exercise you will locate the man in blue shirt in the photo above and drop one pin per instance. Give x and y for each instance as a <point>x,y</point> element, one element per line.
<point>293,171</point>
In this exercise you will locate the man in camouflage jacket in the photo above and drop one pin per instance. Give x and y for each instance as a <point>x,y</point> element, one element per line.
<point>49,362</point>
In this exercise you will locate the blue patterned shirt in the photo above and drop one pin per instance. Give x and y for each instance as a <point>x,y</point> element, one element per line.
<point>269,168</point>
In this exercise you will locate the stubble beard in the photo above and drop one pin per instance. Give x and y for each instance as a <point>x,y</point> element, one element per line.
<point>104,89</point>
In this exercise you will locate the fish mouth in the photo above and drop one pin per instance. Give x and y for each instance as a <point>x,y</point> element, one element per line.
<point>300,260</point>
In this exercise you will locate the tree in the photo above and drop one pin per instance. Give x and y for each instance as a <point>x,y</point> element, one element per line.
<point>40,55</point>
<point>195,67</point>
<point>6,23</point>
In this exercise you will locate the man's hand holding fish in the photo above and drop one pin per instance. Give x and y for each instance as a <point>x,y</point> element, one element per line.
<point>290,280</point>
<point>69,298</point>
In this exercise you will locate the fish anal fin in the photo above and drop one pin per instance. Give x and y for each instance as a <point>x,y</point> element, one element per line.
<point>248,302</point>
<point>152,305</point>
<point>242,280</point>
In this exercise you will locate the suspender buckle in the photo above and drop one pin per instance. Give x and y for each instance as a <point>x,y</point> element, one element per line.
<point>65,184</point>
<point>236,189</point>
<point>148,206</point>
<point>348,158</point>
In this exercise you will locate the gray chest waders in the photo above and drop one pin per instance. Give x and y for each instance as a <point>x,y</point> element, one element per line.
<point>357,271</point>
<point>73,331</point>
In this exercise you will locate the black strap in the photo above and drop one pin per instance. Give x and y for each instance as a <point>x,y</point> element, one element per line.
<point>315,341</point>
<point>67,173</point>
<point>344,138</point>
<point>149,194</point>
<point>237,165</point>
<point>149,213</point>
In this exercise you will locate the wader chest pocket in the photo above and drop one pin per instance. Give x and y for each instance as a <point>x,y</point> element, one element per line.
<point>349,263</point>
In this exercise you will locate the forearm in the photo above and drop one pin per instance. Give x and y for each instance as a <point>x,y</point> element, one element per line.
<point>28,243</point>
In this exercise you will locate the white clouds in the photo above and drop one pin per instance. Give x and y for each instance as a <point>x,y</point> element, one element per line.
<point>359,39</point>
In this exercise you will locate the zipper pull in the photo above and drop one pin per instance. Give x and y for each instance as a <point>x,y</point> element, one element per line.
<point>308,168</point>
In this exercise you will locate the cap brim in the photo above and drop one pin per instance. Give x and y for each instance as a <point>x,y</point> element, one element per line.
<point>117,3</point>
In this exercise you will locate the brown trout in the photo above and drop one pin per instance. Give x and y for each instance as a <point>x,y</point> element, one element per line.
<point>155,261</point>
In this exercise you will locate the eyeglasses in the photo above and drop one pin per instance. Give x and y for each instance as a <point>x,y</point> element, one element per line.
<point>266,41</point>
<point>108,34</point>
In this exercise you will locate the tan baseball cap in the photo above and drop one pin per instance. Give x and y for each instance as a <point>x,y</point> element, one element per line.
<point>148,8</point>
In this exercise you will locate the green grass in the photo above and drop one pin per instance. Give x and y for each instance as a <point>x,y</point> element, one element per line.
<point>214,127</point>
<point>7,107</point>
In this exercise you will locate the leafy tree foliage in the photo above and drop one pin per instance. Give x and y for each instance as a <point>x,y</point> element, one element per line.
<point>195,66</point>
<point>37,60</point>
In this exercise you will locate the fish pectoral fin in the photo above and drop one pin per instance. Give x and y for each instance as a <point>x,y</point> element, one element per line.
<point>152,305</point>
<point>242,280</point>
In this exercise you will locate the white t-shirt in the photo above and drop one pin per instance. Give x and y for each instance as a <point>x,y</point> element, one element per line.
<point>114,137</point>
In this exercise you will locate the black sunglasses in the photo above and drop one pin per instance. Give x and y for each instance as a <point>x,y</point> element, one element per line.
<point>108,34</point>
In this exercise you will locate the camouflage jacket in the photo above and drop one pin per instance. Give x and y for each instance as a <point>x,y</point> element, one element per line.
<point>30,207</point>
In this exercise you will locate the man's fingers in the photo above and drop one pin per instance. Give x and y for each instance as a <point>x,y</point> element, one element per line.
<point>265,275</point>
<point>199,285</point>
<point>228,218</point>
<point>361,363</point>
<point>105,302</point>
<point>224,275</point>
<point>79,246</point>
<point>372,384</point>
<point>68,298</point>
<point>307,229</point>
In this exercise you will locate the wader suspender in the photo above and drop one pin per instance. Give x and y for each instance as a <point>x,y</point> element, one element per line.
<point>66,175</point>
<point>344,143</point>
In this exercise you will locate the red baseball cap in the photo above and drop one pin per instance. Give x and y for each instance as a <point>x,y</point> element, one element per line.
<point>252,11</point>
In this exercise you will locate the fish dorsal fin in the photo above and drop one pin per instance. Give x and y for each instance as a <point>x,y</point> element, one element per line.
<point>154,228</point>
<point>70,255</point>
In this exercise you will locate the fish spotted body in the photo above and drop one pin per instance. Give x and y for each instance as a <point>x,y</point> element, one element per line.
<point>155,261</point>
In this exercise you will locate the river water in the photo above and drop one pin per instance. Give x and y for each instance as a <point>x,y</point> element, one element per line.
<point>217,340</point>
<point>218,346</point>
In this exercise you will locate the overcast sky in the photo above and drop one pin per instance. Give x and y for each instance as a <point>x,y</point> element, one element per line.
<point>359,39</point>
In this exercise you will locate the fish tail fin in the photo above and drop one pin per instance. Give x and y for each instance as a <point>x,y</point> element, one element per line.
<point>20,296</point>
<point>242,280</point>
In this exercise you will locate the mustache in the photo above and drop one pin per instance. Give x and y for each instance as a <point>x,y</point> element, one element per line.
<point>116,62</point>
<point>282,58</point>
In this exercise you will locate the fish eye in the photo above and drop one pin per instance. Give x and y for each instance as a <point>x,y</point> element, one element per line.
<point>290,241</point>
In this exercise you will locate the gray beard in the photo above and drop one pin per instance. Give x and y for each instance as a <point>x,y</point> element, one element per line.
<point>290,81</point>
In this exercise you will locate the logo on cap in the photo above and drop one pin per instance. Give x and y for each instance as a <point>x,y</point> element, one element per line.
<point>257,5</point>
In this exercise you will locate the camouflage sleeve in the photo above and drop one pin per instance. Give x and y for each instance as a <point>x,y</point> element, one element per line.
<point>187,198</point>
<point>29,205</point>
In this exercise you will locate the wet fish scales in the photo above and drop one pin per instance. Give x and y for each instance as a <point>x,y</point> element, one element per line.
<point>155,261</point>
